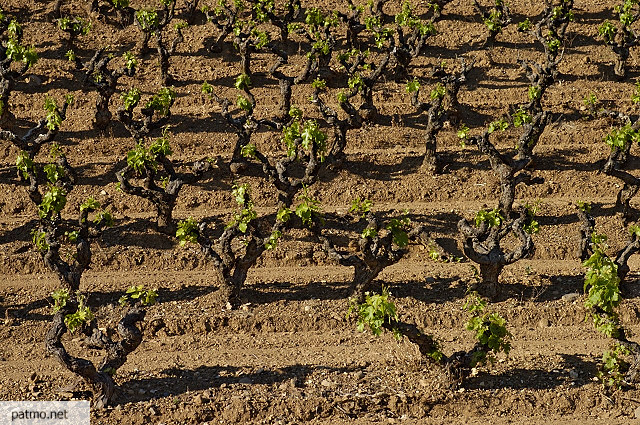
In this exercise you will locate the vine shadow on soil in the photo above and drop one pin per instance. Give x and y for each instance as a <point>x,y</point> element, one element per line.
<point>561,160</point>
<point>176,381</point>
<point>268,293</point>
<point>142,233</point>
<point>20,233</point>
<point>27,311</point>
<point>536,379</point>
<point>439,290</point>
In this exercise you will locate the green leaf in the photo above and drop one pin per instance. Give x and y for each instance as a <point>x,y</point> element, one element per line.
<point>319,84</point>
<point>52,203</point>
<point>39,239</point>
<point>130,99</point>
<point>360,207</point>
<point>207,88</point>
<point>90,204</point>
<point>283,215</point>
<point>398,230</point>
<point>500,124</point>
<point>438,92</point>
<point>162,101</point>
<point>374,312</point>
<point>187,231</point>
<point>369,233</point>
<point>53,118</point>
<point>492,218</point>
<point>244,104</point>
<point>521,117</point>
<point>82,315</point>
<point>273,239</point>
<point>243,82</point>
<point>413,86</point>
<point>60,298</point>
<point>24,164</point>
<point>620,138</point>
<point>307,209</point>
<point>535,93</point>
<point>130,61</point>
<point>147,19</point>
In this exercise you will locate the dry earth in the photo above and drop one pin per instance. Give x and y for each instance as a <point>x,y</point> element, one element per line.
<point>290,355</point>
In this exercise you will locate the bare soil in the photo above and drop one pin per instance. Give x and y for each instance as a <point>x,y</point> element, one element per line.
<point>289,355</point>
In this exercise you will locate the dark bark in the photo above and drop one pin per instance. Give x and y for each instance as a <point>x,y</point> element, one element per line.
<point>437,112</point>
<point>367,111</point>
<point>163,199</point>
<point>105,81</point>
<point>509,171</point>
<point>142,128</point>
<point>164,54</point>
<point>286,82</point>
<point>585,244</point>
<point>501,12</point>
<point>36,137</point>
<point>456,367</point>
<point>244,125</point>
<point>102,383</point>
<point>230,264</point>
<point>482,246</point>
<point>632,247</point>
<point>100,378</point>
<point>374,254</point>
<point>164,18</point>
<point>340,127</point>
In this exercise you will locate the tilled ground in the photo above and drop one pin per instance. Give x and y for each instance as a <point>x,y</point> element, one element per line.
<point>290,355</point>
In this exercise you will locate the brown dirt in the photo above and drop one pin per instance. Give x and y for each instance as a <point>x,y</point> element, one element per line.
<point>289,355</point>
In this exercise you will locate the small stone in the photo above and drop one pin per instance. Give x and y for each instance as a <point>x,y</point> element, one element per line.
<point>571,297</point>
<point>34,80</point>
<point>423,383</point>
<point>326,383</point>
<point>245,380</point>
<point>637,412</point>
<point>359,375</point>
<point>543,323</point>
<point>153,411</point>
<point>142,391</point>
<point>198,400</point>
<point>103,192</point>
<point>307,308</point>
<point>573,374</point>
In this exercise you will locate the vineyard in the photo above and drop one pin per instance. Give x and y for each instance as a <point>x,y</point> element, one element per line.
<point>260,211</point>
